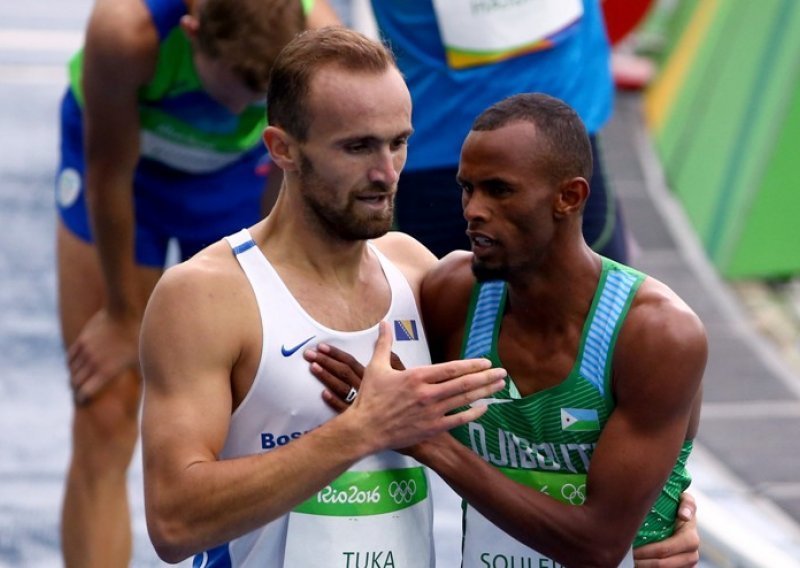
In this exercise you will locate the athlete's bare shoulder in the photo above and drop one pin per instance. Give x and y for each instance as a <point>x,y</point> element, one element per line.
<point>662,348</point>
<point>445,300</point>
<point>453,269</point>
<point>207,292</point>
<point>211,267</point>
<point>412,257</point>
<point>122,29</point>
<point>656,306</point>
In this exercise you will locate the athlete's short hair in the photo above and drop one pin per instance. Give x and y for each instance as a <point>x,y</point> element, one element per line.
<point>312,50</point>
<point>564,150</point>
<point>248,34</point>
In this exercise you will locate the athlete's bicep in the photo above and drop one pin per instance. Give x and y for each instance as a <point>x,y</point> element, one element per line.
<point>658,365</point>
<point>187,354</point>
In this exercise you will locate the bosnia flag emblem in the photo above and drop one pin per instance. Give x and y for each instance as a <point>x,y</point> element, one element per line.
<point>579,420</point>
<point>406,330</point>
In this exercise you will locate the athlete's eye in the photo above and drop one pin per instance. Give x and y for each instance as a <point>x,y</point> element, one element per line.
<point>464,186</point>
<point>498,188</point>
<point>356,148</point>
<point>398,143</point>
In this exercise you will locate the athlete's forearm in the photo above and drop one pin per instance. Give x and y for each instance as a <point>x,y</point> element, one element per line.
<point>568,534</point>
<point>211,502</point>
<point>112,219</point>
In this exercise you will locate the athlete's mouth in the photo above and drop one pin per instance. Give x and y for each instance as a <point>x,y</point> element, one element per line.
<point>480,240</point>
<point>374,197</point>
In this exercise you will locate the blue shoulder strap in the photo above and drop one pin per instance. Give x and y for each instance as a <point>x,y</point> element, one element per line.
<point>618,290</point>
<point>484,319</point>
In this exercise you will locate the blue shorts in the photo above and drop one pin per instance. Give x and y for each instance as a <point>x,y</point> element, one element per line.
<point>428,207</point>
<point>195,210</point>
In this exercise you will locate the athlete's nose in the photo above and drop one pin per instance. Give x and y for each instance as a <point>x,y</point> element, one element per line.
<point>386,169</point>
<point>474,206</point>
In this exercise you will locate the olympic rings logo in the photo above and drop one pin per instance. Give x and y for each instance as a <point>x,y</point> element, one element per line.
<point>402,491</point>
<point>575,495</point>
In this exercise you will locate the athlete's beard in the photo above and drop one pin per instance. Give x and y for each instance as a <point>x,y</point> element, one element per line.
<point>345,222</point>
<point>484,273</point>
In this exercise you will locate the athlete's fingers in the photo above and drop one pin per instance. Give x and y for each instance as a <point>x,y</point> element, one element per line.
<point>473,395</point>
<point>76,360</point>
<point>383,347</point>
<point>334,354</point>
<point>79,372</point>
<point>94,384</point>
<point>681,550</point>
<point>468,386</point>
<point>470,398</point>
<point>84,392</point>
<point>396,362</point>
<point>334,385</point>
<point>75,351</point>
<point>687,560</point>
<point>450,370</point>
<point>470,414</point>
<point>687,508</point>
<point>332,400</point>
<point>334,373</point>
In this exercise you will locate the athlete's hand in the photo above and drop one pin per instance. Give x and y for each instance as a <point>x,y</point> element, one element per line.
<point>401,408</point>
<point>339,372</point>
<point>682,549</point>
<point>105,347</point>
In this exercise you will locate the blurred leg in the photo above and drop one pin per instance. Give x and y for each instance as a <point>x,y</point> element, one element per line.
<point>95,523</point>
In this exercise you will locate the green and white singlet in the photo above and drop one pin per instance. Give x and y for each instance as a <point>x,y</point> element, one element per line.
<point>545,440</point>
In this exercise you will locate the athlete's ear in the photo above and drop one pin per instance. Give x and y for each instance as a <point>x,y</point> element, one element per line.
<point>282,148</point>
<point>570,197</point>
<point>190,24</point>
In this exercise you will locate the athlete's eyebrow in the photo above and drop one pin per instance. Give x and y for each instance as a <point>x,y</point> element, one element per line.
<point>371,139</point>
<point>358,139</point>
<point>493,182</point>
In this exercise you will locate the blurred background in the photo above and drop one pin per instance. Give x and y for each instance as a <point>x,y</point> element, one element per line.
<point>703,152</point>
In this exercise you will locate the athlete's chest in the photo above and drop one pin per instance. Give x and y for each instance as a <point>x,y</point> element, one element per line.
<point>348,308</point>
<point>535,363</point>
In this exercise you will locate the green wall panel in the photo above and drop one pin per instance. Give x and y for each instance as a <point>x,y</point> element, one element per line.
<point>769,240</point>
<point>731,143</point>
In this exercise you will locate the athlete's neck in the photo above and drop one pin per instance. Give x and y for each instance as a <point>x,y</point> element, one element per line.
<point>559,291</point>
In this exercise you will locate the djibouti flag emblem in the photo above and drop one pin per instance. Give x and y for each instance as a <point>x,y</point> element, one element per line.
<point>579,420</point>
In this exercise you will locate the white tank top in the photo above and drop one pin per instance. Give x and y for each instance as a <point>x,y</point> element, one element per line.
<point>378,513</point>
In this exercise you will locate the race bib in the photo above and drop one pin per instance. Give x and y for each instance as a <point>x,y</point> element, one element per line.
<point>364,518</point>
<point>477,32</point>
<point>487,545</point>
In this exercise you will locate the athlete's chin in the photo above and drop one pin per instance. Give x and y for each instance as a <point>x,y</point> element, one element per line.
<point>368,228</point>
<point>485,271</point>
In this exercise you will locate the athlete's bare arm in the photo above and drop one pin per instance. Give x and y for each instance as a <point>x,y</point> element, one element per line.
<point>201,342</point>
<point>658,365</point>
<point>120,35</point>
